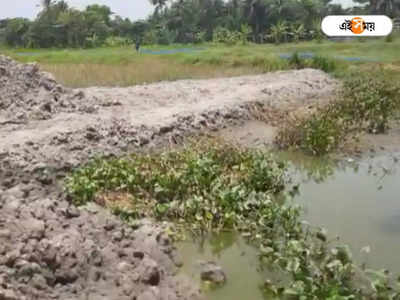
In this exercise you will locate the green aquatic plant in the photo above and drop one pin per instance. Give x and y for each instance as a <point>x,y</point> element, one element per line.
<point>209,187</point>
<point>199,186</point>
<point>366,103</point>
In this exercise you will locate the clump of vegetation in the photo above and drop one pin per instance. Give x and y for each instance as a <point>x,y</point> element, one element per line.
<point>317,62</point>
<point>296,61</point>
<point>211,187</point>
<point>195,186</point>
<point>230,37</point>
<point>371,104</point>
<point>323,63</point>
<point>366,104</point>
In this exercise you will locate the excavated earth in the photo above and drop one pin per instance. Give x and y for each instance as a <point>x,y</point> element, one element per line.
<point>50,249</point>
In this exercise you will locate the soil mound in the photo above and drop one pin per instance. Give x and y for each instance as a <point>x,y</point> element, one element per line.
<point>28,94</point>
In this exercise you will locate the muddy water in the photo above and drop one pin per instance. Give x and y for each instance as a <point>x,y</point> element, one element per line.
<point>235,256</point>
<point>356,200</point>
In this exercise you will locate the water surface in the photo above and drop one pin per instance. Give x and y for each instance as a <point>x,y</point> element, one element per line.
<point>359,201</point>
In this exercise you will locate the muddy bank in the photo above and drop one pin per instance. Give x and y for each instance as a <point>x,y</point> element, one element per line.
<point>52,250</point>
<point>259,134</point>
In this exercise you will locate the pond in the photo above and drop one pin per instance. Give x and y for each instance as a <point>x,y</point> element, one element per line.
<point>357,201</point>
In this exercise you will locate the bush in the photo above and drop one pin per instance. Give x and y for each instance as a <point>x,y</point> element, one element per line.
<point>200,37</point>
<point>374,102</point>
<point>117,41</point>
<point>150,37</point>
<point>323,63</point>
<point>366,104</point>
<point>317,134</point>
<point>295,61</point>
<point>225,36</point>
<point>165,36</point>
<point>316,62</point>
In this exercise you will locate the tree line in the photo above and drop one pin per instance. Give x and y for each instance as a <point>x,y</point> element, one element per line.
<point>181,21</point>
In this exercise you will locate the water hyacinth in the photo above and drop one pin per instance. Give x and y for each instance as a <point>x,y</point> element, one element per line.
<point>209,186</point>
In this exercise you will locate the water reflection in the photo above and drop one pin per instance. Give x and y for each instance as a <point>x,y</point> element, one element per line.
<point>238,259</point>
<point>391,225</point>
<point>356,200</point>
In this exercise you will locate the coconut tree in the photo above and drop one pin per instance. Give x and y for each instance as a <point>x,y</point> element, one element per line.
<point>46,4</point>
<point>388,7</point>
<point>297,32</point>
<point>159,4</point>
<point>279,32</point>
<point>256,11</point>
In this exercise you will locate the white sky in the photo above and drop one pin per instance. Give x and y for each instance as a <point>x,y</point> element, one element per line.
<point>133,9</point>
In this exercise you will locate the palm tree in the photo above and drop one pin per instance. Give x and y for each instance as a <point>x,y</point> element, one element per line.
<point>46,4</point>
<point>256,12</point>
<point>279,32</point>
<point>159,4</point>
<point>297,32</point>
<point>388,7</point>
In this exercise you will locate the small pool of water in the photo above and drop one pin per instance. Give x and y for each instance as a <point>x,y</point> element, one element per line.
<point>238,259</point>
<point>171,51</point>
<point>357,201</point>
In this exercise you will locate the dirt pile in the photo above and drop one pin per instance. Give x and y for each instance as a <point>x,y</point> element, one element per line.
<point>52,250</point>
<point>28,94</point>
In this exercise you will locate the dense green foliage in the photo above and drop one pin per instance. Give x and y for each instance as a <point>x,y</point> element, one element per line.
<point>212,187</point>
<point>200,187</point>
<point>181,21</point>
<point>367,103</point>
<point>58,25</point>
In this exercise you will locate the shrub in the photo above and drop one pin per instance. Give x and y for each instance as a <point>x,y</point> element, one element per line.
<point>150,37</point>
<point>246,32</point>
<point>200,37</point>
<point>365,104</point>
<point>117,41</point>
<point>374,102</point>
<point>323,63</point>
<point>295,61</point>
<point>225,36</point>
<point>165,36</point>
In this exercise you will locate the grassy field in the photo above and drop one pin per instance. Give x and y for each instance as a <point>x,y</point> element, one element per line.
<point>124,67</point>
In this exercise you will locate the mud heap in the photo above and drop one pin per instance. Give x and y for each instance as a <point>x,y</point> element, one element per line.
<point>28,94</point>
<point>50,249</point>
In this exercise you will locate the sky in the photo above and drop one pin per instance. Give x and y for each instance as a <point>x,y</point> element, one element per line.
<point>133,9</point>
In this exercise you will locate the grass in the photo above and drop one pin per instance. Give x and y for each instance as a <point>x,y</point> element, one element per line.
<point>145,70</point>
<point>124,67</point>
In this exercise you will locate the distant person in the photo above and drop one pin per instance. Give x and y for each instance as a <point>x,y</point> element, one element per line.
<point>137,46</point>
